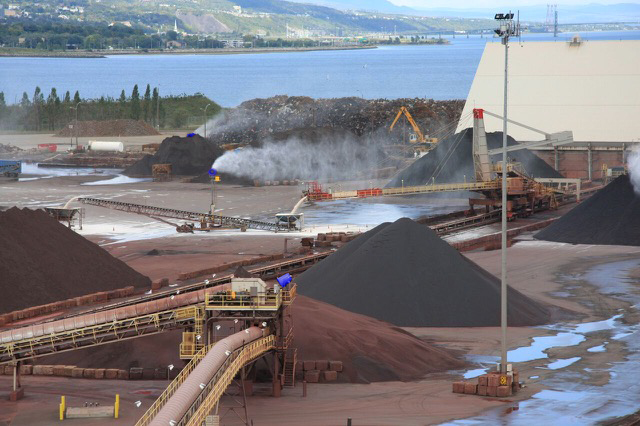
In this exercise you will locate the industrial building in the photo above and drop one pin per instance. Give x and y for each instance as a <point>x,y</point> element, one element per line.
<point>591,88</point>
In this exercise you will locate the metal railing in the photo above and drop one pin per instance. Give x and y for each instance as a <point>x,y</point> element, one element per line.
<point>97,334</point>
<point>421,189</point>
<point>180,214</point>
<point>244,301</point>
<point>288,296</point>
<point>173,386</point>
<point>211,394</point>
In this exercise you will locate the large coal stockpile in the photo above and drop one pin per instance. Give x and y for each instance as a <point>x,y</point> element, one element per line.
<point>43,261</point>
<point>452,161</point>
<point>370,350</point>
<point>611,216</point>
<point>403,273</point>
<point>188,156</point>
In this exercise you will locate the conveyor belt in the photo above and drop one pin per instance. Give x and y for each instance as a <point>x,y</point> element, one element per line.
<point>215,220</point>
<point>198,388</point>
<point>264,272</point>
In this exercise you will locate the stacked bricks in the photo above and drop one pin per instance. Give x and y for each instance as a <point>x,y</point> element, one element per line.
<point>229,265</point>
<point>69,371</point>
<point>35,311</point>
<point>491,384</point>
<point>318,371</point>
<point>159,283</point>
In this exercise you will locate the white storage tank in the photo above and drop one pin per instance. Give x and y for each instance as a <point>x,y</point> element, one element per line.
<point>106,146</point>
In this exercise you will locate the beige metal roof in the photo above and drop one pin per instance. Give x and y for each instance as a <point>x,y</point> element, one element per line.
<point>592,89</point>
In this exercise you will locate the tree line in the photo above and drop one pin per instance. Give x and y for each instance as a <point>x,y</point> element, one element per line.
<point>53,112</point>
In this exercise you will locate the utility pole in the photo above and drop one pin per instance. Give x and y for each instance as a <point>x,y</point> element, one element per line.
<point>507,29</point>
<point>158,110</point>
<point>75,125</point>
<point>204,116</point>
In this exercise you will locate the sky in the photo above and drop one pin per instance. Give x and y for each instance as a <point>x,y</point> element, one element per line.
<point>513,4</point>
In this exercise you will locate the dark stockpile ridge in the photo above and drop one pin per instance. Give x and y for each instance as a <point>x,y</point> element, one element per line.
<point>403,273</point>
<point>611,217</point>
<point>370,350</point>
<point>458,152</point>
<point>188,156</point>
<point>123,127</point>
<point>43,261</point>
<point>254,120</point>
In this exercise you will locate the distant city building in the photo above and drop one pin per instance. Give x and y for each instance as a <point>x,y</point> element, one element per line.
<point>233,43</point>
<point>174,44</point>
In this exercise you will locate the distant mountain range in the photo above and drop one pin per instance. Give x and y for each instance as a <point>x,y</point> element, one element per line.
<point>588,13</point>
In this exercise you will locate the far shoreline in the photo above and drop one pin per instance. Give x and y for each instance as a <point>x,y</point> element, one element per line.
<point>24,53</point>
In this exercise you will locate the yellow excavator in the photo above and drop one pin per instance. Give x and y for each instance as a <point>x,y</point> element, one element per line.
<point>419,142</point>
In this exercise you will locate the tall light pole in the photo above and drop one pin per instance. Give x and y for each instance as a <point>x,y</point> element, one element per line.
<point>75,125</point>
<point>507,29</point>
<point>204,116</point>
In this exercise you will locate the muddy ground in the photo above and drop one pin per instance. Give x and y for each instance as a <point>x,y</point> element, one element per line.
<point>554,273</point>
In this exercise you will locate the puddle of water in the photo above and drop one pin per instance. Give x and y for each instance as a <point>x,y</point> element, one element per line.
<point>569,401</point>
<point>562,363</point>
<point>118,180</point>
<point>534,377</point>
<point>47,173</point>
<point>540,344</point>
<point>471,374</point>
<point>601,348</point>
<point>609,324</point>
<point>368,212</point>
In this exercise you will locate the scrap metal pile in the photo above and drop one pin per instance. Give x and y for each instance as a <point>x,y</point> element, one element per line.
<point>256,119</point>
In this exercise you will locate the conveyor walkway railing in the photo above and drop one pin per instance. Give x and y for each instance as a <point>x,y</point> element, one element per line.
<point>173,386</point>
<point>212,391</point>
<point>264,272</point>
<point>48,338</point>
<point>151,211</point>
<point>406,190</point>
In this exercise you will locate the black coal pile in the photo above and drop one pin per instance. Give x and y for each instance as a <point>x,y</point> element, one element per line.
<point>611,217</point>
<point>256,119</point>
<point>188,156</point>
<point>452,161</point>
<point>403,273</point>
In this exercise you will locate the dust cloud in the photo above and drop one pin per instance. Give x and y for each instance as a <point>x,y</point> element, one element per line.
<point>329,158</point>
<point>633,162</point>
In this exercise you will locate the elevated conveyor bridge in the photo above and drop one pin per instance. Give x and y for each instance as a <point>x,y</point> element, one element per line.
<point>211,221</point>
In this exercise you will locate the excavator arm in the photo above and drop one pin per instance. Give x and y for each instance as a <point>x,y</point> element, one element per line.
<point>414,125</point>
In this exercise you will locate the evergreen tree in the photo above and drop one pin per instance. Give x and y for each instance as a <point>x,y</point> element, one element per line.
<point>154,107</point>
<point>122,101</point>
<point>76,98</point>
<point>66,104</point>
<point>53,103</point>
<point>146,106</point>
<point>38,101</point>
<point>25,102</point>
<point>135,103</point>
<point>3,104</point>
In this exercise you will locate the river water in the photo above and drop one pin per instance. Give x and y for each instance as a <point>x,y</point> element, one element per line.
<point>438,72</point>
